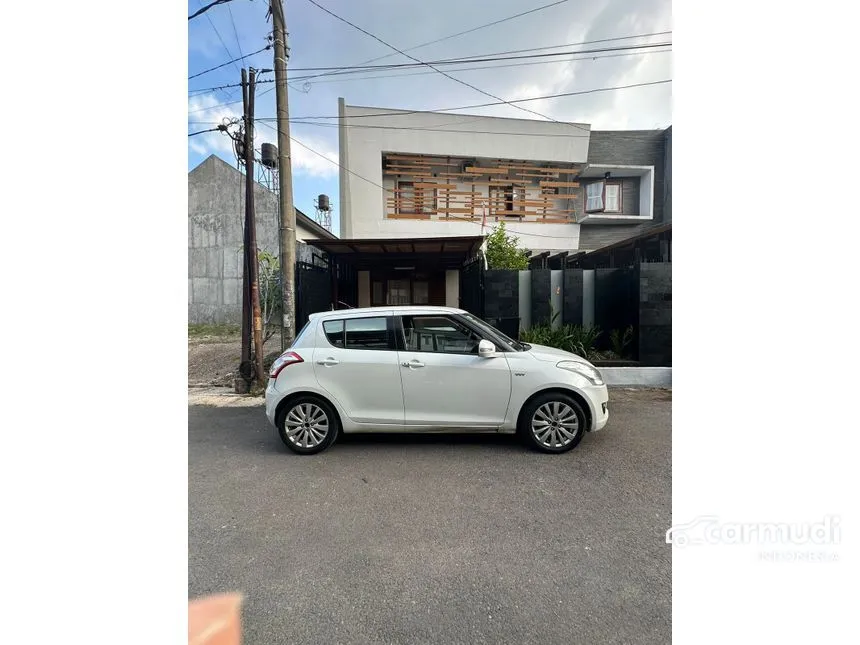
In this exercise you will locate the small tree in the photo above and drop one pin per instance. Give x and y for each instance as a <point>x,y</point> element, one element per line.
<point>504,252</point>
<point>269,277</point>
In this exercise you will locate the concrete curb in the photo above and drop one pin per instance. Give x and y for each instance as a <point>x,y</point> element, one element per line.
<point>637,376</point>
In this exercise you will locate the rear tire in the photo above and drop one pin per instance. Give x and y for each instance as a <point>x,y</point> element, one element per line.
<point>552,422</point>
<point>307,425</point>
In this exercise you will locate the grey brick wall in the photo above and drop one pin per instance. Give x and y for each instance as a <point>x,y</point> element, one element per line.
<point>541,310</point>
<point>630,147</point>
<point>594,236</point>
<point>572,292</point>
<point>502,298</point>
<point>655,314</point>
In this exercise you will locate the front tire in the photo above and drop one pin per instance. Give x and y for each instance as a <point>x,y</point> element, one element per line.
<point>553,423</point>
<point>307,425</point>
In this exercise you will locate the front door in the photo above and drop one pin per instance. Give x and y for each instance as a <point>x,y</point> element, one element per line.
<point>445,382</point>
<point>356,361</point>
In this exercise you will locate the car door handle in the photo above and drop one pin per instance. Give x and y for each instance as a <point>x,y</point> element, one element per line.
<point>412,363</point>
<point>328,362</point>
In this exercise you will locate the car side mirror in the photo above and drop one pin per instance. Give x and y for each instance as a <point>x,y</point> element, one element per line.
<point>486,349</point>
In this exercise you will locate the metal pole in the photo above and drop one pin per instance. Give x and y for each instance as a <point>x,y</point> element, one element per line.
<point>252,226</point>
<point>285,176</point>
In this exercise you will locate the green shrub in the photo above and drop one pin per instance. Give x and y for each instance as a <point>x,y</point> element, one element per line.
<point>620,340</point>
<point>577,339</point>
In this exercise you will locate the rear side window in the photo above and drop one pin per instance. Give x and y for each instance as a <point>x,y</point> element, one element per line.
<point>334,332</point>
<point>367,333</point>
<point>358,333</point>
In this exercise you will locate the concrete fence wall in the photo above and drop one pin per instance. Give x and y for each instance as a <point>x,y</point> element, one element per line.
<point>612,299</point>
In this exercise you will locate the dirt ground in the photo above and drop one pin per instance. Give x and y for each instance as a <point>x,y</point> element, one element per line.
<point>214,360</point>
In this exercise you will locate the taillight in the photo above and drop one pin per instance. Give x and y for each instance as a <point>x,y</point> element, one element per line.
<point>284,360</point>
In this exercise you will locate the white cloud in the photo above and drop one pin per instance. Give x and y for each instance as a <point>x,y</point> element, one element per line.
<point>206,111</point>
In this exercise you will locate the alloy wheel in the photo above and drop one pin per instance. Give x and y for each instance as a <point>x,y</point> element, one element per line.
<point>306,425</point>
<point>555,424</point>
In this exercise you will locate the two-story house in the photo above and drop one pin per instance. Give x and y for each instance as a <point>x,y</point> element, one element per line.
<point>414,185</point>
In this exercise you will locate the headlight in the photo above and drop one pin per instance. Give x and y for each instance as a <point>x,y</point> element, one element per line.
<point>583,370</point>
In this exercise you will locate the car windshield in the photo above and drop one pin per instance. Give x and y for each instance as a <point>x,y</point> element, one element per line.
<point>495,333</point>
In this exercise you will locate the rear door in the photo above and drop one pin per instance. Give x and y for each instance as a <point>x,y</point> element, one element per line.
<point>445,382</point>
<point>356,361</point>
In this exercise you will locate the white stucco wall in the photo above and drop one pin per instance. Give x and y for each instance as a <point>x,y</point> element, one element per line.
<point>362,198</point>
<point>452,288</point>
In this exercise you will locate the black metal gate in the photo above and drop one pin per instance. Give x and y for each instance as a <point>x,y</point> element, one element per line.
<point>472,287</point>
<point>313,291</point>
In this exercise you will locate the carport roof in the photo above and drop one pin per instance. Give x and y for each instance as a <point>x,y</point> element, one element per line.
<point>466,245</point>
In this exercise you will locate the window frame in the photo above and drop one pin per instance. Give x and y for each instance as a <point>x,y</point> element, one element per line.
<point>389,334</point>
<point>400,333</point>
<point>418,194</point>
<point>603,184</point>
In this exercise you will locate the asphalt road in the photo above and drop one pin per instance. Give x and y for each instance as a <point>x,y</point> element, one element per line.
<point>435,539</point>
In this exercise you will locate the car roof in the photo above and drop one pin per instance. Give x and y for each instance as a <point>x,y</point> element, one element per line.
<point>384,311</point>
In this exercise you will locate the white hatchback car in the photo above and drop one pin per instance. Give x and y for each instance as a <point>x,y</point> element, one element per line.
<point>428,369</point>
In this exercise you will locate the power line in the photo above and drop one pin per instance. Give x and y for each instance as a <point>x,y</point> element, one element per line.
<point>235,32</point>
<point>505,66</point>
<point>464,107</point>
<point>212,69</point>
<point>192,134</point>
<point>461,33</point>
<point>480,105</point>
<point>207,8</point>
<point>217,33</point>
<point>460,61</point>
<point>445,74</point>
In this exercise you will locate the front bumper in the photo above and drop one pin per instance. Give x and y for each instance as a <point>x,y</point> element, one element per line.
<point>599,396</point>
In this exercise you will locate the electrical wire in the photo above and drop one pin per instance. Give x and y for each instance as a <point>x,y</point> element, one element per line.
<point>192,134</point>
<point>212,69</point>
<point>217,33</point>
<point>207,8</point>
<point>445,74</point>
<point>462,33</point>
<point>235,32</point>
<point>506,66</point>
<point>480,105</point>
<point>461,61</point>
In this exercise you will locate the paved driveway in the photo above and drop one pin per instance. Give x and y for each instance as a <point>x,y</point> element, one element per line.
<point>440,539</point>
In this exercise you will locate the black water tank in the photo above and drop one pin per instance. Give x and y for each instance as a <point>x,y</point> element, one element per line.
<point>323,203</point>
<point>269,155</point>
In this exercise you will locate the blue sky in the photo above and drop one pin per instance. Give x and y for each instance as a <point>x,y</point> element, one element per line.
<point>317,39</point>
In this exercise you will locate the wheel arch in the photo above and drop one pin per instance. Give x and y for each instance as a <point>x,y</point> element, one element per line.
<point>576,396</point>
<point>292,396</point>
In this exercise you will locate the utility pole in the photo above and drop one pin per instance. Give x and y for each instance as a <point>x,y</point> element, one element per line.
<point>285,175</point>
<point>246,367</point>
<point>251,251</point>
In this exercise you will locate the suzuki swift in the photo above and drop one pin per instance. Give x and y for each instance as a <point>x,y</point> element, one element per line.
<point>428,369</point>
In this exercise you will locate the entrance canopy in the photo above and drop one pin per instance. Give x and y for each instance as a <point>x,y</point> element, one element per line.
<point>365,254</point>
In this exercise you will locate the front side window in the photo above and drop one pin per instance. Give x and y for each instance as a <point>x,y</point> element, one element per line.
<point>438,334</point>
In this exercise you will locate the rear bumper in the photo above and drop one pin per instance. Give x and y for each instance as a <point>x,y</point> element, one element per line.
<point>273,397</point>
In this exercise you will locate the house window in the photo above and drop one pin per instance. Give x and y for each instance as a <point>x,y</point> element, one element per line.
<point>612,194</point>
<point>414,201</point>
<point>507,200</point>
<point>602,197</point>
